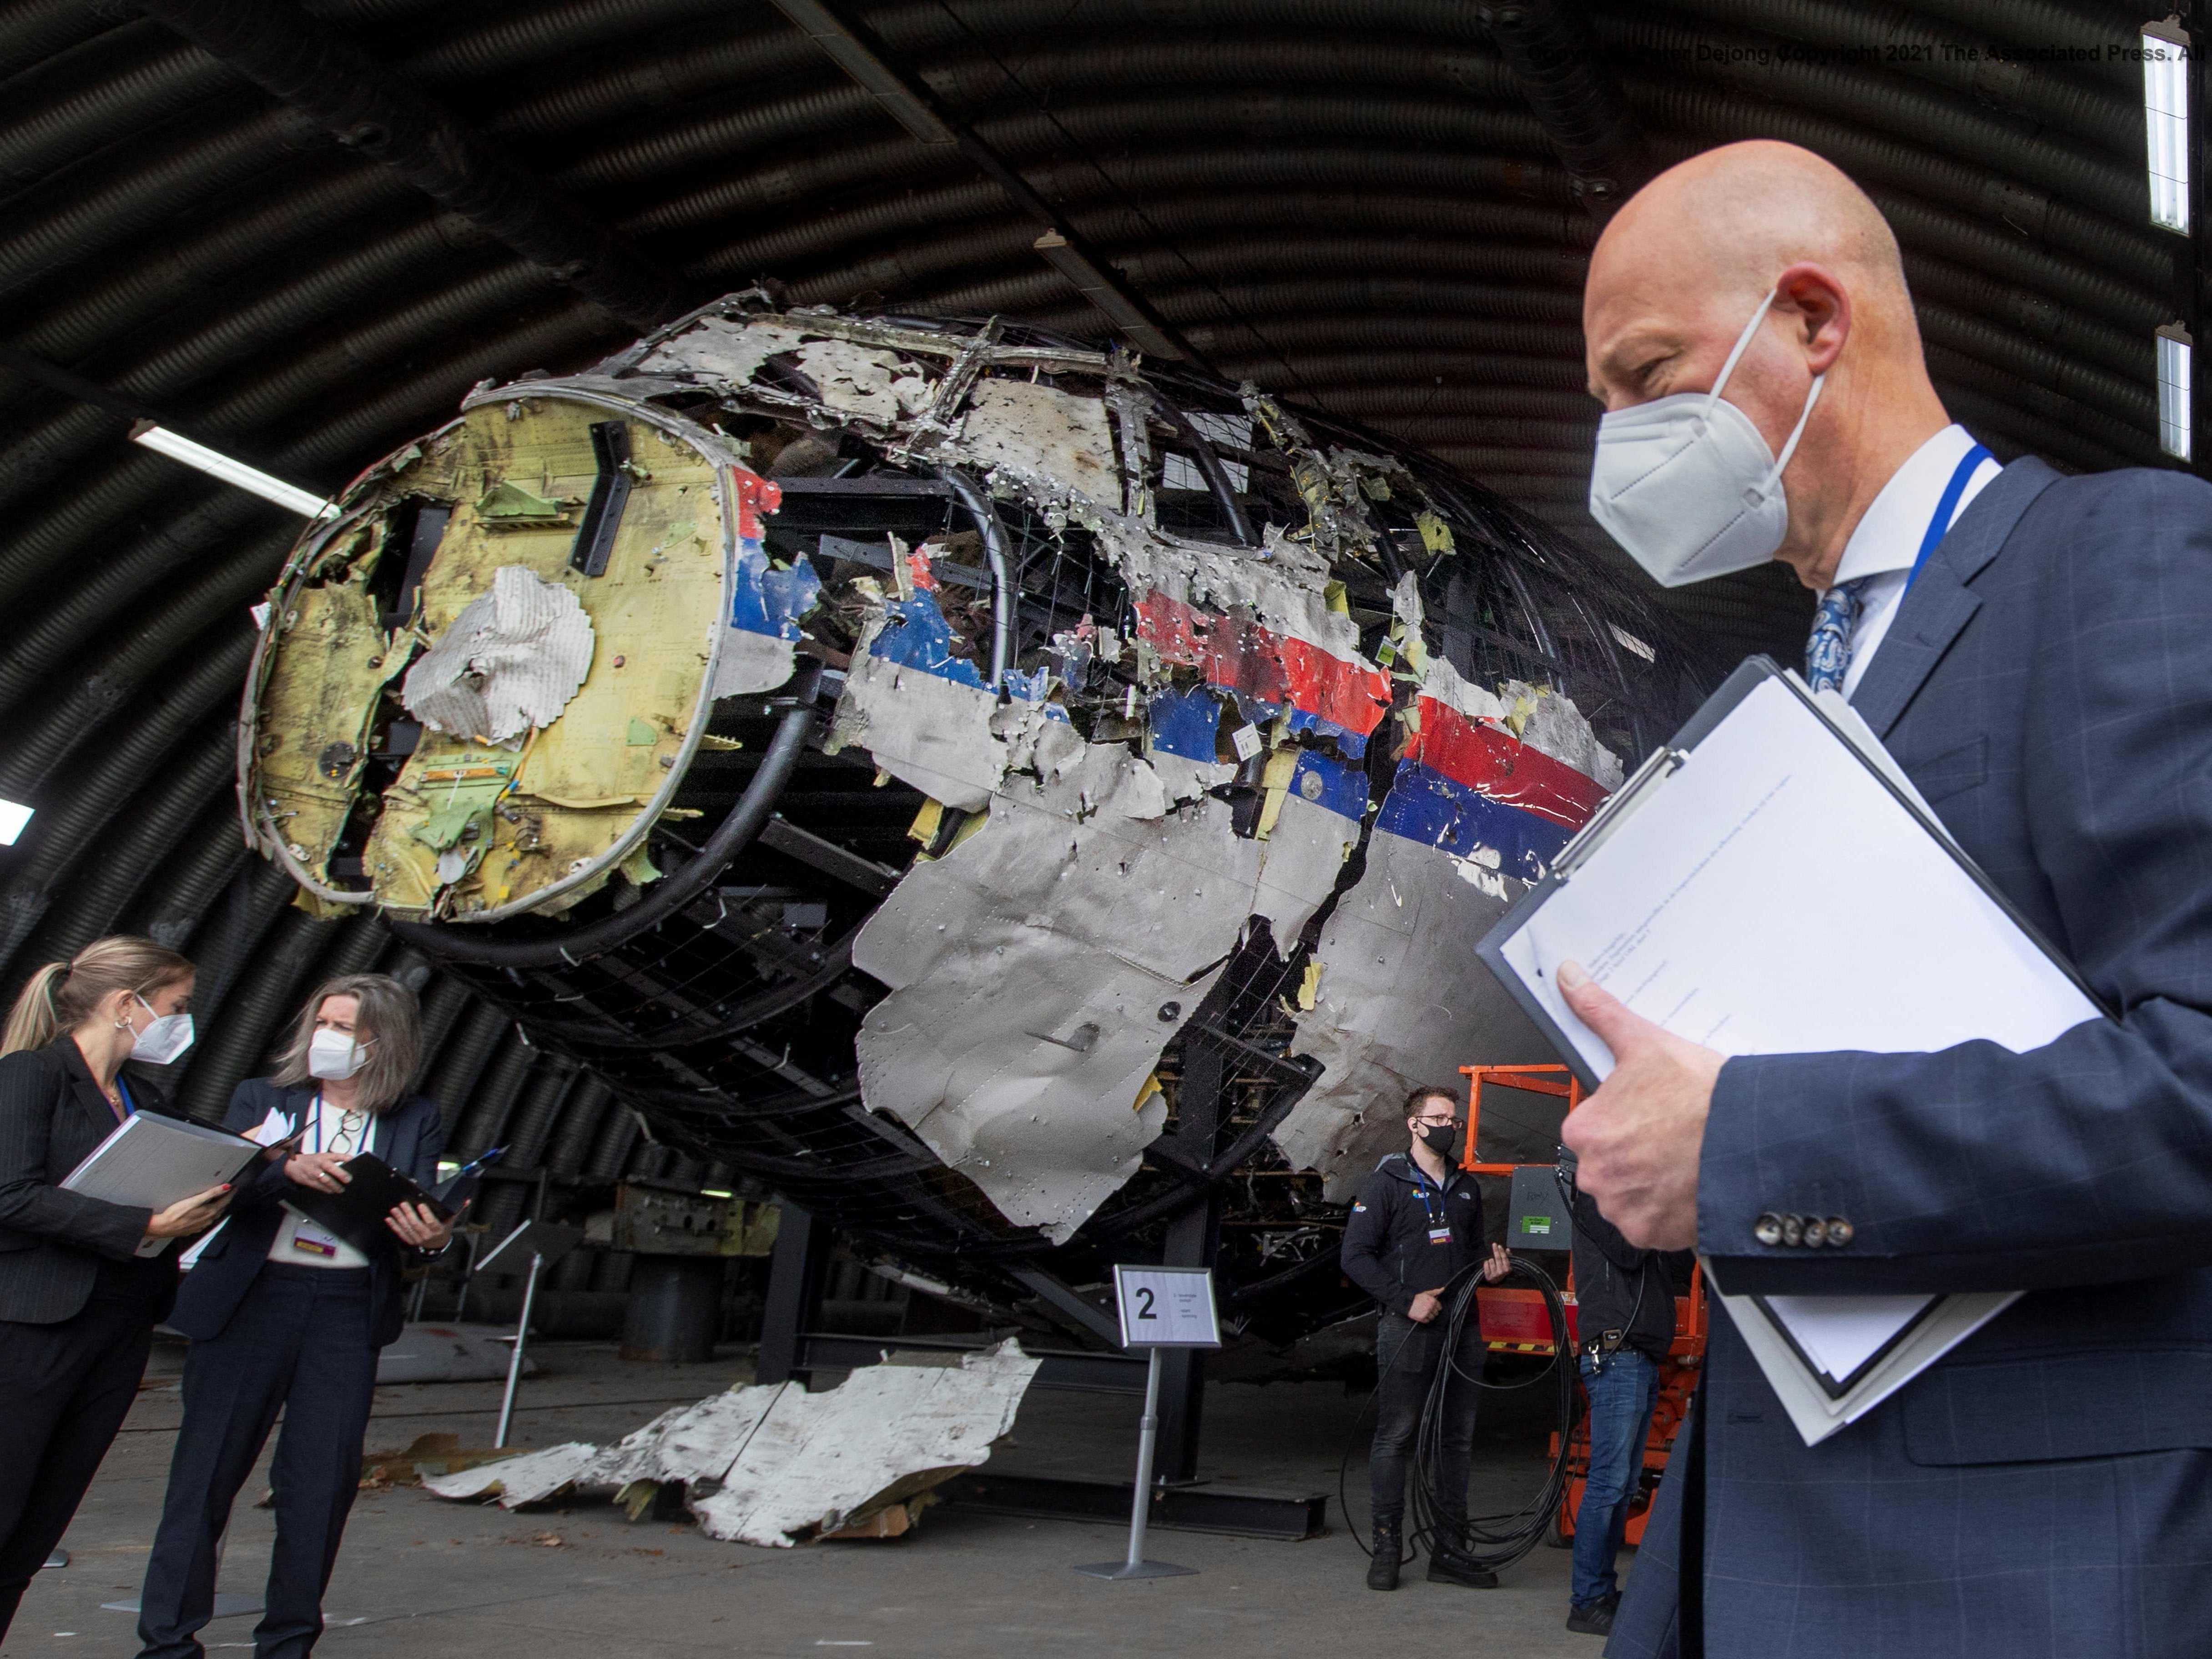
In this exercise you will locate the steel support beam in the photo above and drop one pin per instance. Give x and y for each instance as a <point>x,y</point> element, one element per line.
<point>1288,1517</point>
<point>375,112</point>
<point>1193,1237</point>
<point>796,1269</point>
<point>857,50</point>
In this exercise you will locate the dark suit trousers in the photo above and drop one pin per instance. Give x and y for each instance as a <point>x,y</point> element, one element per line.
<point>299,1341</point>
<point>64,1390</point>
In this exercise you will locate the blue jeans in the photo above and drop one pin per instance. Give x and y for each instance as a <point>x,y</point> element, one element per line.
<point>1622,1392</point>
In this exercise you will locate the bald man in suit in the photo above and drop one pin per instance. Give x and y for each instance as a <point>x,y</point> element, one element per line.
<point>2044,677</point>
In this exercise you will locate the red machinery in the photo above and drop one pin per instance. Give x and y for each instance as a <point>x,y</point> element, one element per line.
<point>1515,1321</point>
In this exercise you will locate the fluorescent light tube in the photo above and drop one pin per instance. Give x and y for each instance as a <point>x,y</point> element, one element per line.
<point>2166,122</point>
<point>216,464</point>
<point>2174,350</point>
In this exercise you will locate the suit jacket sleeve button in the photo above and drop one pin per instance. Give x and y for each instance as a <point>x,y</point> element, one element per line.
<point>1793,1229</point>
<point>1767,1229</point>
<point>1816,1232</point>
<point>1839,1230</point>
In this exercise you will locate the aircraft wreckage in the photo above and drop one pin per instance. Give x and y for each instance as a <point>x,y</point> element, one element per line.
<point>998,792</point>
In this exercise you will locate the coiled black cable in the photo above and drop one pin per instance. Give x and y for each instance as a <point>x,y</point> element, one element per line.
<point>1492,1541</point>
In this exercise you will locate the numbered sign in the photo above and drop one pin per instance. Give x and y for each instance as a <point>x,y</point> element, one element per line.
<point>1166,1307</point>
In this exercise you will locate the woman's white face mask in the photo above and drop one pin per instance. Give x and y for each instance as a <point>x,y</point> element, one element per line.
<point>164,1039</point>
<point>335,1056</point>
<point>1686,484</point>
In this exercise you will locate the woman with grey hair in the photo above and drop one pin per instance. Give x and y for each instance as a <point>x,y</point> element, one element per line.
<point>285,1314</point>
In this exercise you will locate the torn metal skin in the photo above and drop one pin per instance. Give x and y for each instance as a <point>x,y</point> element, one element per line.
<point>1196,688</point>
<point>775,1465</point>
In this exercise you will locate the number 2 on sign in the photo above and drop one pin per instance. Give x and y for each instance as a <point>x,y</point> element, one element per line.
<point>1144,1296</point>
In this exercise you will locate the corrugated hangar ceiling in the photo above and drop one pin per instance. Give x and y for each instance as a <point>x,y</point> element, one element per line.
<point>301,233</point>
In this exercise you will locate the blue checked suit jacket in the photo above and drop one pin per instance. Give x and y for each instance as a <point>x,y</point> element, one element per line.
<point>2047,1490</point>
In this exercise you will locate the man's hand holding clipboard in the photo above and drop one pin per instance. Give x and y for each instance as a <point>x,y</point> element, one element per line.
<point>1639,1136</point>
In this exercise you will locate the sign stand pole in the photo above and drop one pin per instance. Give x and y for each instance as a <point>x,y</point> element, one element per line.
<point>1160,1307</point>
<point>1148,1437</point>
<point>515,1359</point>
<point>544,1244</point>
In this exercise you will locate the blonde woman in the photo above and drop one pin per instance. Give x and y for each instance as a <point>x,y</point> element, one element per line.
<point>78,1303</point>
<point>284,1315</point>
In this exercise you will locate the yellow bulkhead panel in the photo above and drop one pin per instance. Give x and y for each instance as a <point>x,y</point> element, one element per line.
<point>329,664</point>
<point>577,785</point>
<point>509,820</point>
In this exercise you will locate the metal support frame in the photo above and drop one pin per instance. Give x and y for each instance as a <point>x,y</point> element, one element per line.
<point>1193,1239</point>
<point>798,1267</point>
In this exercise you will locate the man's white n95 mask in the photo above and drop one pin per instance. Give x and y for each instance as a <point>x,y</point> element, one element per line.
<point>1686,484</point>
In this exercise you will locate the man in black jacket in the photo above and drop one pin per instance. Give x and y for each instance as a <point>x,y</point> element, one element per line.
<point>1415,1233</point>
<point>1624,1300</point>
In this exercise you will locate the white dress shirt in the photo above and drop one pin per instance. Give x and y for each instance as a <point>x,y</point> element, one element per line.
<point>1887,540</point>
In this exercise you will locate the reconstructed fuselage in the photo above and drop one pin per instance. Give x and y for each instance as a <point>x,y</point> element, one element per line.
<point>995,791</point>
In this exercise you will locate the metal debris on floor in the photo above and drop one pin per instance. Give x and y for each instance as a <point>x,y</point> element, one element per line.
<point>776,1466</point>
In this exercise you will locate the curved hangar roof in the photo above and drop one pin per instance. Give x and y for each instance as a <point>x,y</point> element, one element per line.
<point>301,233</point>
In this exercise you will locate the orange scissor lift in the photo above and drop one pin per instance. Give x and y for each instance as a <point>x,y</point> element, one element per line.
<point>1515,1321</point>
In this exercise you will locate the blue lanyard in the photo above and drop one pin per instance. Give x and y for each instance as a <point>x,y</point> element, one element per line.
<point>130,1106</point>
<point>1940,525</point>
<point>1421,1186</point>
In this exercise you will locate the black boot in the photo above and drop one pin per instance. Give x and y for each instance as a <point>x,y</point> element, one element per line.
<point>1450,1565</point>
<point>1389,1546</point>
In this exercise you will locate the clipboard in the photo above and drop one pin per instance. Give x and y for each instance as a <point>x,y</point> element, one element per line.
<point>1705,917</point>
<point>1655,774</point>
<point>356,1214</point>
<point>1840,1388</point>
<point>150,1161</point>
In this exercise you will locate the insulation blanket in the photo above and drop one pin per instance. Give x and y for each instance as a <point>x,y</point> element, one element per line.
<point>775,1465</point>
<point>510,661</point>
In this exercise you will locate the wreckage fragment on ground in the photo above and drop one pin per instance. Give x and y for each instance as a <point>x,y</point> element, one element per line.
<point>881,748</point>
<point>776,1465</point>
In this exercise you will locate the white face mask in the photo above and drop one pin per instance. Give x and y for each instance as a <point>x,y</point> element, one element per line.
<point>169,1036</point>
<point>334,1056</point>
<point>1687,485</point>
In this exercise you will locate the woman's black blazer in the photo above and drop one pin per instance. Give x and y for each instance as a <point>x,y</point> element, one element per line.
<point>52,1114</point>
<point>409,1137</point>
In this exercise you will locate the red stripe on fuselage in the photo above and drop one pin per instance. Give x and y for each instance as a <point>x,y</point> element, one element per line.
<point>1259,663</point>
<point>1496,764</point>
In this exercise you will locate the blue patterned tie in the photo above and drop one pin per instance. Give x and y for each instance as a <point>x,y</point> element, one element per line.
<point>1828,653</point>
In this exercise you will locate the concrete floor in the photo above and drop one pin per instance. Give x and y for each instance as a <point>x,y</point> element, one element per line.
<point>422,1576</point>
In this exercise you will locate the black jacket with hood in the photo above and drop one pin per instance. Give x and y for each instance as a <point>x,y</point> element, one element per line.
<point>1386,1248</point>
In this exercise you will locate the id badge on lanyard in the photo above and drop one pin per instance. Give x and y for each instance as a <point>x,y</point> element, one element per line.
<point>1439,1226</point>
<point>307,1237</point>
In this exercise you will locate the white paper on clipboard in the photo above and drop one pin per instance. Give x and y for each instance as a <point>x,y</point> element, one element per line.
<point>1770,895</point>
